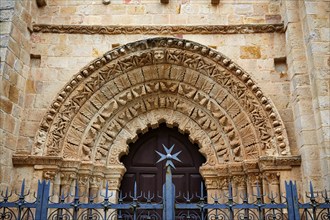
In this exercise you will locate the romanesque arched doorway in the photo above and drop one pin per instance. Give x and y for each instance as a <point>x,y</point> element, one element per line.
<point>141,163</point>
<point>140,85</point>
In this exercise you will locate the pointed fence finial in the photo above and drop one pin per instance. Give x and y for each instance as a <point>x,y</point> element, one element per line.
<point>107,190</point>
<point>311,189</point>
<point>22,188</point>
<point>230,191</point>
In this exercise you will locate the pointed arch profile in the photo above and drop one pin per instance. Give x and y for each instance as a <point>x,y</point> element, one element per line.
<point>161,80</point>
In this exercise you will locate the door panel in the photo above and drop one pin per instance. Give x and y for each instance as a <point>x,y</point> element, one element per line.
<point>141,163</point>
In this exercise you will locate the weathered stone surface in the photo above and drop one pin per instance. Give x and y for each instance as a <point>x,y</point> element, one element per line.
<point>250,52</point>
<point>38,60</point>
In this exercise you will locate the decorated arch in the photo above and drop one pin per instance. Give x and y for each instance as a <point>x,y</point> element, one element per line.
<point>181,83</point>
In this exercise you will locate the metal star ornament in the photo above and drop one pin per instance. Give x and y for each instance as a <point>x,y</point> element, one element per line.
<point>168,156</point>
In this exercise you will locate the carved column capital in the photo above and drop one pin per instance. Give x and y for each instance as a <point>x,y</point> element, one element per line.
<point>254,178</point>
<point>211,183</point>
<point>95,181</point>
<point>114,176</point>
<point>272,178</point>
<point>83,180</point>
<point>239,181</point>
<point>49,174</point>
<point>223,182</point>
<point>67,177</point>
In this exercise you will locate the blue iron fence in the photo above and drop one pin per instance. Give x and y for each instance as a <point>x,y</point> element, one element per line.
<point>143,206</point>
<point>71,207</point>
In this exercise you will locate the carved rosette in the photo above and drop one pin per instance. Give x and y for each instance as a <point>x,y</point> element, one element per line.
<point>142,84</point>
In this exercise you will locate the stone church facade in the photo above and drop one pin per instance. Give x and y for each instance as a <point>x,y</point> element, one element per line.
<point>248,81</point>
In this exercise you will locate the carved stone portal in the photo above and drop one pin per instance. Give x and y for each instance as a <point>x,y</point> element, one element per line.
<point>142,84</point>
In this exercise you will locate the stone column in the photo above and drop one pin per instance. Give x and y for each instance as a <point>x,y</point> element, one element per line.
<point>95,183</point>
<point>67,179</point>
<point>212,187</point>
<point>212,180</point>
<point>254,181</point>
<point>223,188</point>
<point>51,176</point>
<point>83,183</point>
<point>273,186</point>
<point>113,175</point>
<point>240,183</point>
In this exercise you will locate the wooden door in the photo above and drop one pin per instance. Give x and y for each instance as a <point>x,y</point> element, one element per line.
<point>141,163</point>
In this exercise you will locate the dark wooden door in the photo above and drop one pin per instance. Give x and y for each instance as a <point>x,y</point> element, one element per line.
<point>141,163</point>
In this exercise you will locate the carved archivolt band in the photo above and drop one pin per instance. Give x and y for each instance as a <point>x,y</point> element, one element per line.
<point>161,30</point>
<point>141,84</point>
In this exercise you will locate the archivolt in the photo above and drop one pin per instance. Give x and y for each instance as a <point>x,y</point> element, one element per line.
<point>179,82</point>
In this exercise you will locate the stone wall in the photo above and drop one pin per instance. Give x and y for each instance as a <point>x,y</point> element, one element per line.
<point>62,55</point>
<point>15,61</point>
<point>316,36</point>
<point>307,37</point>
<point>137,12</point>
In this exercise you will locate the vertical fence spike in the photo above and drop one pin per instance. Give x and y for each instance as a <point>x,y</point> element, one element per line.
<point>325,194</point>
<point>120,195</point>
<point>22,189</point>
<point>258,191</point>
<point>216,197</point>
<point>311,190</point>
<point>326,198</point>
<point>202,190</point>
<point>107,190</point>
<point>135,190</point>
<point>6,195</point>
<point>246,198</point>
<point>230,191</point>
<point>76,190</point>
<point>62,197</point>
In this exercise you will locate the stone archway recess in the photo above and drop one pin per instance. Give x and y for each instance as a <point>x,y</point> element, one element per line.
<point>139,85</point>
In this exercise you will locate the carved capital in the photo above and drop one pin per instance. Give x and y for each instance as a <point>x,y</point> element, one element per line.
<point>254,178</point>
<point>114,176</point>
<point>67,178</point>
<point>239,181</point>
<point>49,175</point>
<point>211,183</point>
<point>272,178</point>
<point>83,180</point>
<point>223,182</point>
<point>95,181</point>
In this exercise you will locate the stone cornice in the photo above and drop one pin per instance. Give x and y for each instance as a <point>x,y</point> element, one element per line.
<point>160,30</point>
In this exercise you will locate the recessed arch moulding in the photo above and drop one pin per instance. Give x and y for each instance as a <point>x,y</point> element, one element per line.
<point>139,85</point>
